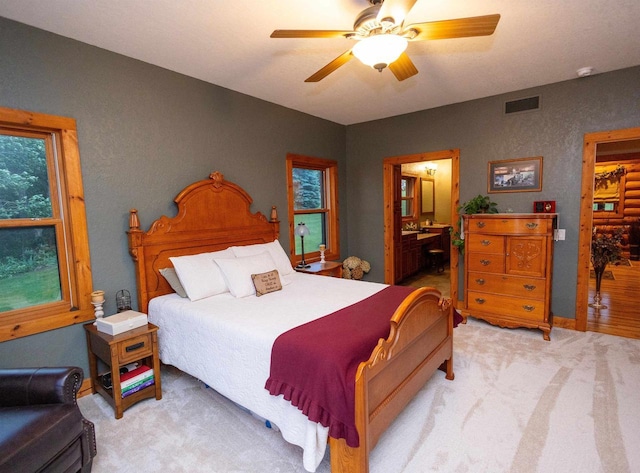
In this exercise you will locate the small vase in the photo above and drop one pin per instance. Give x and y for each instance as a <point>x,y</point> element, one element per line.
<point>597,300</point>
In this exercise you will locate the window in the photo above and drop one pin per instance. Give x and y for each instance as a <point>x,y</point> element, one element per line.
<point>45,272</point>
<point>408,198</point>
<point>609,191</point>
<point>312,194</point>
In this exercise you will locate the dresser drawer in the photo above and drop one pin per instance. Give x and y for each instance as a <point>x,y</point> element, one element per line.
<point>482,243</point>
<point>486,262</point>
<point>527,288</point>
<point>134,348</point>
<point>508,226</point>
<point>527,309</point>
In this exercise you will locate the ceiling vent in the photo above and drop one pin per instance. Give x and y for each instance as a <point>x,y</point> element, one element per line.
<point>522,105</point>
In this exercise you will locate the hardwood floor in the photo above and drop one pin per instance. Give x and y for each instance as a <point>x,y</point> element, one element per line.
<point>620,295</point>
<point>431,278</point>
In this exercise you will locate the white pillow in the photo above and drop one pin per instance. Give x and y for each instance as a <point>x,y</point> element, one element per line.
<point>283,264</point>
<point>199,275</point>
<point>174,281</point>
<point>237,272</point>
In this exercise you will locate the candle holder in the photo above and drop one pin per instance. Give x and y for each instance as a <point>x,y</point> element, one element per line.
<point>322,249</point>
<point>97,301</point>
<point>97,308</point>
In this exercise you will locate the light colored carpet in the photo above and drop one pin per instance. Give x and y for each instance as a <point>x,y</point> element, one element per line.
<point>518,404</point>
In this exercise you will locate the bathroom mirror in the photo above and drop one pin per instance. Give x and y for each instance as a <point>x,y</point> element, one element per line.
<point>427,189</point>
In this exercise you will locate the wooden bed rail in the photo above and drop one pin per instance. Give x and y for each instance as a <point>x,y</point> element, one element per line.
<point>420,341</point>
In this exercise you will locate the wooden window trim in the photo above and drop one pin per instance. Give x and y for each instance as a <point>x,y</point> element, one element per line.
<point>75,264</point>
<point>331,210</point>
<point>413,199</point>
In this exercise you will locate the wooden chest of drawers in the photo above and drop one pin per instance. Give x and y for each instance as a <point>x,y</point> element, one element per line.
<point>508,269</point>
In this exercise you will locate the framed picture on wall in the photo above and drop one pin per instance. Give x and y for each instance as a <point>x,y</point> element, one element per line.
<point>515,175</point>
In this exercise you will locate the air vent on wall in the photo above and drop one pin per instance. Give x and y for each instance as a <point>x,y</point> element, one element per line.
<point>522,105</point>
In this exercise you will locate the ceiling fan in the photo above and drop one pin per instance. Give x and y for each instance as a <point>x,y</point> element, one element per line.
<point>382,36</point>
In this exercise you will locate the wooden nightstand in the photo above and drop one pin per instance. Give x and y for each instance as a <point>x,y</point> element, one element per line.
<point>328,268</point>
<point>136,345</point>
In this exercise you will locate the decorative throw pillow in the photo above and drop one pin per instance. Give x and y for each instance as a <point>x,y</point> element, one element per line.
<point>199,275</point>
<point>172,278</point>
<point>266,282</point>
<point>275,250</point>
<point>237,272</point>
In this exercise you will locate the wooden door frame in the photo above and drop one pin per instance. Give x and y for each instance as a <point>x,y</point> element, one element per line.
<point>388,191</point>
<point>591,141</point>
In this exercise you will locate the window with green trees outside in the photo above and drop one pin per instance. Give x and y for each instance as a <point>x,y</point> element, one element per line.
<point>29,269</point>
<point>45,272</point>
<point>312,196</point>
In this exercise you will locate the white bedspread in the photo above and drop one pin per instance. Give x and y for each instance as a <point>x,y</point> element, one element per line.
<point>226,343</point>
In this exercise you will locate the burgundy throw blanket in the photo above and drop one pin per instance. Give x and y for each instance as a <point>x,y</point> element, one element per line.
<point>314,365</point>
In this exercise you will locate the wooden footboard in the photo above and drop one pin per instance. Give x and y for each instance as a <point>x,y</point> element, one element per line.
<point>420,341</point>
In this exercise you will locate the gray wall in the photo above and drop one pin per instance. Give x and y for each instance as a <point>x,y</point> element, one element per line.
<point>483,133</point>
<point>144,134</point>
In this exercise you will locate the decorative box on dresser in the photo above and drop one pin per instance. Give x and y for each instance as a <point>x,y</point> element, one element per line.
<point>508,269</point>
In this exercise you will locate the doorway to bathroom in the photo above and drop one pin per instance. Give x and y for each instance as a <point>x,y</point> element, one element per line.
<point>395,207</point>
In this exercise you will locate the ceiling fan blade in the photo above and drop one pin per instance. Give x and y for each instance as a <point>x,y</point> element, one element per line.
<point>310,34</point>
<point>332,66</point>
<point>395,9</point>
<point>403,67</point>
<point>458,28</point>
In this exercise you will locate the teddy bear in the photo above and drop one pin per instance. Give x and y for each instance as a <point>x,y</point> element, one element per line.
<point>354,268</point>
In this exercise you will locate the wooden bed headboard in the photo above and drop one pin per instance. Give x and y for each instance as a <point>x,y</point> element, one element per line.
<point>213,214</point>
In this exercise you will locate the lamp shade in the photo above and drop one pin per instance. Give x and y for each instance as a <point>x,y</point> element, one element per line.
<point>380,50</point>
<point>302,230</point>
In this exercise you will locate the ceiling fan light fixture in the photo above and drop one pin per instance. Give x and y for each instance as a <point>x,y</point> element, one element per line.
<point>379,51</point>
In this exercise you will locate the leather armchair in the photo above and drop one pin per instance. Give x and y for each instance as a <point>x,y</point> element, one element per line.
<point>41,426</point>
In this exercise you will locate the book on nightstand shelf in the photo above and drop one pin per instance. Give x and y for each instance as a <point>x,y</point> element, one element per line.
<point>136,380</point>
<point>139,387</point>
<point>132,377</point>
<point>131,381</point>
<point>135,384</point>
<point>106,378</point>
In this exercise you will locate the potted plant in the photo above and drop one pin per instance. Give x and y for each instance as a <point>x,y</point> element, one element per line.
<point>605,249</point>
<point>481,204</point>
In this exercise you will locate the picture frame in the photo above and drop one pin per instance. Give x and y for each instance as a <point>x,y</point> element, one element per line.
<point>515,175</point>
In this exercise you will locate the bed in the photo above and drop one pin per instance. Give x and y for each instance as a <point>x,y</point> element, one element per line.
<point>230,350</point>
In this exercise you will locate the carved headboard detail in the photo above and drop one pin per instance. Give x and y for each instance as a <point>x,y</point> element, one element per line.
<point>213,214</point>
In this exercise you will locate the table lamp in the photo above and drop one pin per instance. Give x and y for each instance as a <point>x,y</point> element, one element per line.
<point>302,231</point>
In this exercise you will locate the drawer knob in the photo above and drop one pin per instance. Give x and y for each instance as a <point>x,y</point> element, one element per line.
<point>528,308</point>
<point>480,300</point>
<point>480,281</point>
<point>532,225</point>
<point>485,242</point>
<point>134,347</point>
<point>529,287</point>
<point>480,224</point>
<point>485,262</point>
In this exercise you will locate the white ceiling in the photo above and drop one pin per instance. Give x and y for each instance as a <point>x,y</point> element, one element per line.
<point>226,42</point>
